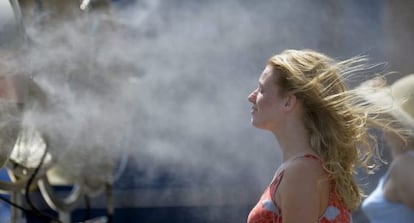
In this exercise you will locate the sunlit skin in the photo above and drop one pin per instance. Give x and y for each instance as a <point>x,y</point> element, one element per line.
<point>281,113</point>
<point>267,109</point>
<point>399,187</point>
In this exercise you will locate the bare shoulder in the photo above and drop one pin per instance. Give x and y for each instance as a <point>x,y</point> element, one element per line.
<point>303,171</point>
<point>304,167</point>
<point>300,191</point>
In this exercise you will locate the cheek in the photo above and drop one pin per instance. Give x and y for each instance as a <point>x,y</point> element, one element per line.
<point>266,103</point>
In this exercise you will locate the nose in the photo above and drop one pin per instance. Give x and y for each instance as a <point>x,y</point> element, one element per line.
<point>252,96</point>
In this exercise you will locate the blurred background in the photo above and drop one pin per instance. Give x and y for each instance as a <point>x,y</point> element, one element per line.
<point>137,111</point>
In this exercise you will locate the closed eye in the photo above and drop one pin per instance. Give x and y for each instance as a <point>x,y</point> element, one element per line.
<point>260,88</point>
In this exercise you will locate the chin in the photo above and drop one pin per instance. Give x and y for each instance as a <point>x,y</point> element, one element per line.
<point>261,125</point>
<point>256,124</point>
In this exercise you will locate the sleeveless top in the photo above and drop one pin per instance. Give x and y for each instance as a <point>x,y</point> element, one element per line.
<point>379,210</point>
<point>267,210</point>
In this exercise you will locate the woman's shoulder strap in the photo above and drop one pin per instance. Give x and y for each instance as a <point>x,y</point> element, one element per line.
<point>309,155</point>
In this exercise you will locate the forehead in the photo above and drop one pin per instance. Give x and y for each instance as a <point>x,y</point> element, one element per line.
<point>267,76</point>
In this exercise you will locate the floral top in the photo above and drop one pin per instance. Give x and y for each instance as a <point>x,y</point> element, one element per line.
<point>267,211</point>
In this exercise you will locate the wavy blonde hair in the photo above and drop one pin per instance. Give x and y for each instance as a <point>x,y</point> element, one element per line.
<point>336,118</point>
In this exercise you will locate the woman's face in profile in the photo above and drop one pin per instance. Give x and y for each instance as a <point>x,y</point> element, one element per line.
<point>266,101</point>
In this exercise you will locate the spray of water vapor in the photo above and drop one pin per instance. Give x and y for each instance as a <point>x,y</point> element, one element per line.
<point>148,83</point>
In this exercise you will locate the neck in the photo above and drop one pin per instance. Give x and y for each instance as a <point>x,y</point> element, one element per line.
<point>293,139</point>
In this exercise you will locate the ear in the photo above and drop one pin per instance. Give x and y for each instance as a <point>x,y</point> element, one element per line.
<point>290,102</point>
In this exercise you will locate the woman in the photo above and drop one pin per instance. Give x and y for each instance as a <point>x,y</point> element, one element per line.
<point>393,198</point>
<point>322,132</point>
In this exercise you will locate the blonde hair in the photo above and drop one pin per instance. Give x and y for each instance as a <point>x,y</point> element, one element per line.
<point>337,119</point>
